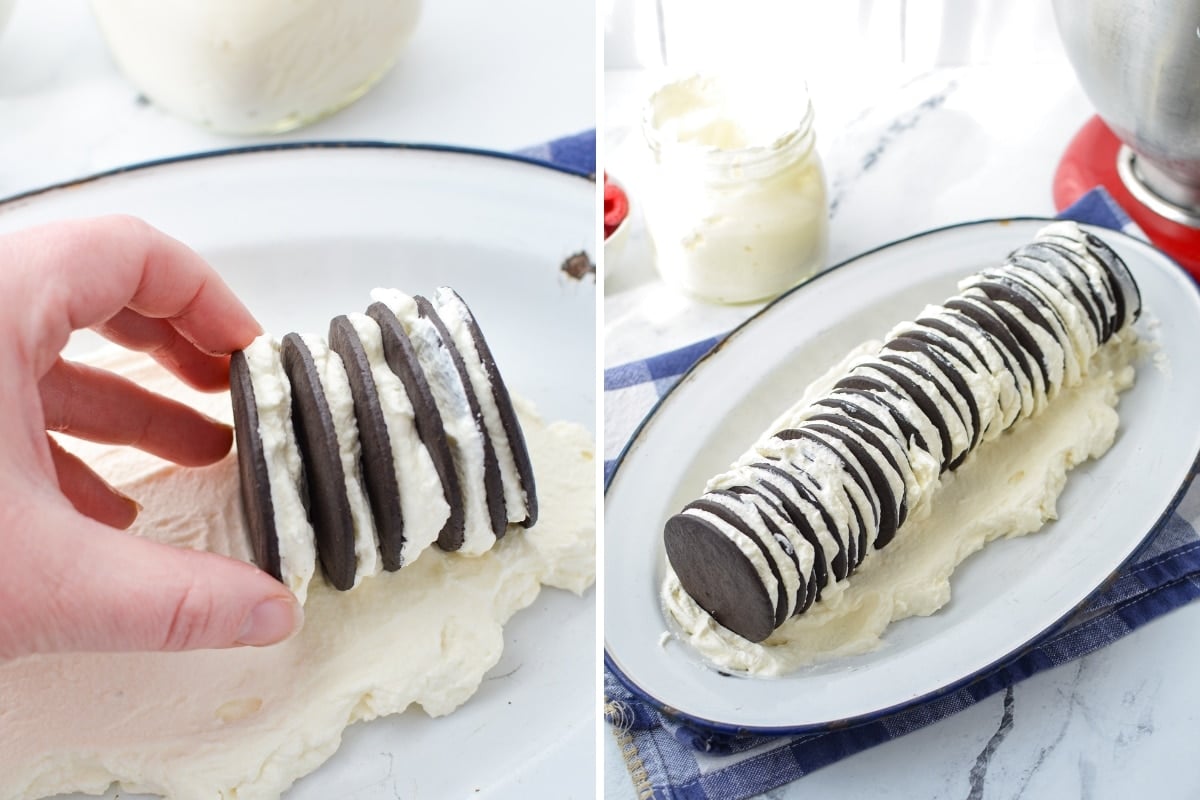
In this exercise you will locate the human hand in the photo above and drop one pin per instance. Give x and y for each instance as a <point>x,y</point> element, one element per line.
<point>68,579</point>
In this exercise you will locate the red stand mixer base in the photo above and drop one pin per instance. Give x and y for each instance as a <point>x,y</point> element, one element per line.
<point>1091,161</point>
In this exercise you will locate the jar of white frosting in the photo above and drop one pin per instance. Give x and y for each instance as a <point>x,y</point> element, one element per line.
<point>255,66</point>
<point>736,202</point>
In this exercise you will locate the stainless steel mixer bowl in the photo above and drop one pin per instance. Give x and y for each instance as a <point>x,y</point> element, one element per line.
<point>1138,61</point>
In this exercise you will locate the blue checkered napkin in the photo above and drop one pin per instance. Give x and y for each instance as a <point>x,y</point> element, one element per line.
<point>671,761</point>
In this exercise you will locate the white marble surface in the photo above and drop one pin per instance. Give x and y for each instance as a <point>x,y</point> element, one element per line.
<point>905,153</point>
<point>493,75</point>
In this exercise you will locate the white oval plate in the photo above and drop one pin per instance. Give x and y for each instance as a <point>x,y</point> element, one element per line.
<point>1004,597</point>
<point>303,233</point>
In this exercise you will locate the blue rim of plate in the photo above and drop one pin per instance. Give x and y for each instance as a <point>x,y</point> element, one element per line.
<point>272,147</point>
<point>712,726</point>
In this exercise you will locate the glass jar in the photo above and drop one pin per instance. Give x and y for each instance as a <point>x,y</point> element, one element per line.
<point>255,66</point>
<point>736,203</point>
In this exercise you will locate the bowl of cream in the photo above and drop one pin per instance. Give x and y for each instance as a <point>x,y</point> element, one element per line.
<point>255,66</point>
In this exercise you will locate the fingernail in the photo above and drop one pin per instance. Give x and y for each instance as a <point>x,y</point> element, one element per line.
<point>129,501</point>
<point>271,621</point>
<point>132,509</point>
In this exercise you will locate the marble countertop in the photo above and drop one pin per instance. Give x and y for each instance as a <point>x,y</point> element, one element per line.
<point>910,153</point>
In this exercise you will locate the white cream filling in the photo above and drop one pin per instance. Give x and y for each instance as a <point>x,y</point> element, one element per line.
<point>1063,291</point>
<point>950,406</point>
<point>454,315</point>
<point>465,438</point>
<point>1080,333</point>
<point>997,381</point>
<point>1052,359</point>
<point>993,388</point>
<point>917,465</point>
<point>984,405</point>
<point>336,387</point>
<point>794,573</point>
<point>818,460</point>
<point>955,427</point>
<point>744,476</point>
<point>273,398</point>
<point>1029,386</point>
<point>1069,235</point>
<point>1065,335</point>
<point>1005,489</point>
<point>422,498</point>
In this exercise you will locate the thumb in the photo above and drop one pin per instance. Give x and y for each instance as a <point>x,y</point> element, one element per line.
<point>70,583</point>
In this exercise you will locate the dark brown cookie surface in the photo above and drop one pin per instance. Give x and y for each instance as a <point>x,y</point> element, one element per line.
<point>719,577</point>
<point>508,415</point>
<point>378,467</point>
<point>492,485</point>
<point>328,506</point>
<point>252,469</point>
<point>402,359</point>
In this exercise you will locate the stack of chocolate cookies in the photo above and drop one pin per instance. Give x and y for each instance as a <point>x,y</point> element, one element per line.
<point>359,450</point>
<point>810,502</point>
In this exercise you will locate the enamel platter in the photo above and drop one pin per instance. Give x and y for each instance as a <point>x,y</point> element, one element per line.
<point>1003,597</point>
<point>303,233</point>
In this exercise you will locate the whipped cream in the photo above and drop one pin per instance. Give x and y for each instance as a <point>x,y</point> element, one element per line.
<point>273,398</point>
<point>422,497</point>
<point>255,67</point>
<point>248,722</point>
<point>709,112</point>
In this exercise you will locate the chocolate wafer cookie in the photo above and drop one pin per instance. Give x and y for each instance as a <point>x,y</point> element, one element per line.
<point>378,467</point>
<point>252,469</point>
<point>328,505</point>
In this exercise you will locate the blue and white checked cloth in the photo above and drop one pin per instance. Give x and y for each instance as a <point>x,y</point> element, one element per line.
<point>670,761</point>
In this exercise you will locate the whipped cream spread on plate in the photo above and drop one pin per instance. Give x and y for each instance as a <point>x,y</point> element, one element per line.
<point>246,723</point>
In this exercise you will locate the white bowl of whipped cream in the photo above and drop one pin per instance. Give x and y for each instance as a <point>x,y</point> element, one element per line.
<point>255,66</point>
